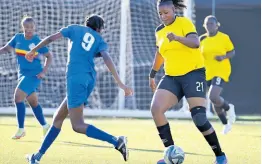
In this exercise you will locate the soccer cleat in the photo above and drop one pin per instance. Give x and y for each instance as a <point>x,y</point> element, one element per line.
<point>227,128</point>
<point>161,161</point>
<point>231,114</point>
<point>19,134</point>
<point>122,146</point>
<point>31,160</point>
<point>221,160</point>
<point>45,129</point>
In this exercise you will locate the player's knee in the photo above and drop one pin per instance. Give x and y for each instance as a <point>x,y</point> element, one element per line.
<point>18,98</point>
<point>75,128</point>
<point>156,109</point>
<point>200,119</point>
<point>33,104</point>
<point>58,122</point>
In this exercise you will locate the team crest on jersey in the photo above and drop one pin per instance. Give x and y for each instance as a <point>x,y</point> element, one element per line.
<point>31,46</point>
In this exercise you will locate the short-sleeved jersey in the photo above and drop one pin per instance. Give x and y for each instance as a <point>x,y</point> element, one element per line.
<point>179,59</point>
<point>22,46</point>
<point>212,46</point>
<point>84,45</point>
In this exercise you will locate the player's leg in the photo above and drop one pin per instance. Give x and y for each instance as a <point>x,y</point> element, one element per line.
<point>167,94</point>
<point>38,111</point>
<point>195,91</point>
<point>210,107</point>
<point>214,96</point>
<point>58,119</point>
<point>19,97</point>
<point>79,87</point>
<point>221,105</point>
<point>218,101</point>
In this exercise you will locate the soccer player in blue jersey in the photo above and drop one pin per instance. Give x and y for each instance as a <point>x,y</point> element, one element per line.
<point>29,73</point>
<point>85,43</point>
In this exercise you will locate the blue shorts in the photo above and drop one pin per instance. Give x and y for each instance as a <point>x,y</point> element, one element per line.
<point>79,87</point>
<point>28,84</point>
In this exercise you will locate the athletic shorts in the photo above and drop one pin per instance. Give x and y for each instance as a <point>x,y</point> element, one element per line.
<point>192,84</point>
<point>216,81</point>
<point>79,88</point>
<point>28,84</point>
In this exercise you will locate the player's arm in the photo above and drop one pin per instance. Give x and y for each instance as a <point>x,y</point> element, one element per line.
<point>158,62</point>
<point>5,49</point>
<point>30,55</point>
<point>112,68</point>
<point>191,40</point>
<point>47,41</point>
<point>230,54</point>
<point>48,61</point>
<point>9,46</point>
<point>230,48</point>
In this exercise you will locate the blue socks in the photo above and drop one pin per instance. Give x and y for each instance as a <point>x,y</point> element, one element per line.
<point>91,132</point>
<point>95,133</point>
<point>49,139</point>
<point>20,114</point>
<point>38,112</point>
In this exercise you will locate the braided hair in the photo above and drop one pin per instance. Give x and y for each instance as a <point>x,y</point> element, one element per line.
<point>177,3</point>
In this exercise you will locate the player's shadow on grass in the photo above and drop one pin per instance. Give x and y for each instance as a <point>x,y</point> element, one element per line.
<point>15,125</point>
<point>100,146</point>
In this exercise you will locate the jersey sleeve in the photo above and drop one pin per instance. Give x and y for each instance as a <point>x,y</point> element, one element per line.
<point>42,50</point>
<point>12,42</point>
<point>102,46</point>
<point>160,27</point>
<point>229,44</point>
<point>156,40</point>
<point>188,27</point>
<point>67,32</point>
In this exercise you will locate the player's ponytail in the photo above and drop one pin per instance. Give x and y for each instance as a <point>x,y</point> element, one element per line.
<point>177,3</point>
<point>95,22</point>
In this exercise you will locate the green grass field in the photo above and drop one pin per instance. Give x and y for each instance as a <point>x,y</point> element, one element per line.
<point>242,145</point>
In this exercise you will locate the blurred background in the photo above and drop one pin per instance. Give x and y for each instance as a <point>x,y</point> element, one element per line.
<point>132,47</point>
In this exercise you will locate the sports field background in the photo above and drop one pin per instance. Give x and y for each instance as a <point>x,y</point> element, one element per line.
<point>242,145</point>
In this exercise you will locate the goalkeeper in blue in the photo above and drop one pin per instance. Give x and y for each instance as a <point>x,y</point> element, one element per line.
<point>85,43</point>
<point>29,73</point>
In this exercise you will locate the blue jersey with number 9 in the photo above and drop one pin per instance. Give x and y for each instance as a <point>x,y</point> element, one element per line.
<point>84,44</point>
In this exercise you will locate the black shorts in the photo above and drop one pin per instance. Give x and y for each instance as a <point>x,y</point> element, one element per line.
<point>192,84</point>
<point>217,81</point>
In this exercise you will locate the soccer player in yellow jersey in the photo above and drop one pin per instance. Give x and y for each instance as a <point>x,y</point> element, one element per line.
<point>178,49</point>
<point>217,49</point>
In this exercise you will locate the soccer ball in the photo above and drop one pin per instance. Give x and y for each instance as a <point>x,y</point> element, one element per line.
<point>174,155</point>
